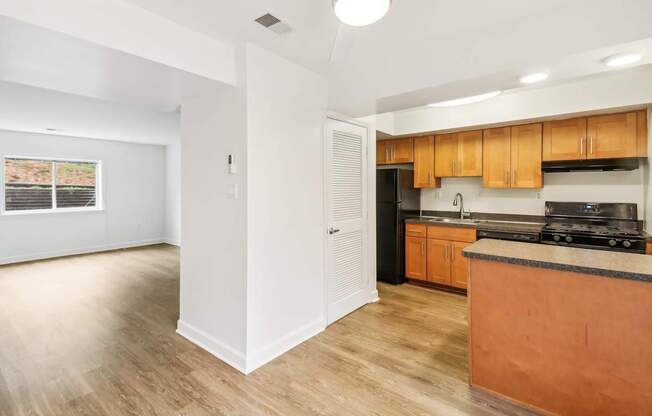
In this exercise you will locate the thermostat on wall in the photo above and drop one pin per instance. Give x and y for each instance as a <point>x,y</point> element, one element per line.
<point>232,167</point>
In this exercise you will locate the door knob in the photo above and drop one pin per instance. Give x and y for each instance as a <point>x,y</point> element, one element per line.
<point>332,231</point>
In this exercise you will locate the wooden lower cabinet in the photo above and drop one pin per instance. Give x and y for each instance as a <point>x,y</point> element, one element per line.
<point>438,258</point>
<point>459,265</point>
<point>438,261</point>
<point>649,247</point>
<point>415,258</point>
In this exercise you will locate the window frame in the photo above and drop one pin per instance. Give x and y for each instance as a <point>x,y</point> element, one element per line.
<point>99,200</point>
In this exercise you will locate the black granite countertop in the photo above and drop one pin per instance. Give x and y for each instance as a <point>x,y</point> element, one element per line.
<point>596,262</point>
<point>480,221</point>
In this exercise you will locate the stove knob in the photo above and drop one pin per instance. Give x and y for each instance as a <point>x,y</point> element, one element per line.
<point>612,243</point>
<point>569,239</point>
<point>556,237</point>
<point>627,244</point>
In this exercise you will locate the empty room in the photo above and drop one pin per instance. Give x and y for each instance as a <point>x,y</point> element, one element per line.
<point>327,207</point>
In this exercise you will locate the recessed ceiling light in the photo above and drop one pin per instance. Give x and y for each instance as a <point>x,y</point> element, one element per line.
<point>534,78</point>
<point>622,59</point>
<point>466,100</point>
<point>361,12</point>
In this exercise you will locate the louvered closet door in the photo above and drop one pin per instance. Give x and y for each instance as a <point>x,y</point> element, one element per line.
<point>346,165</point>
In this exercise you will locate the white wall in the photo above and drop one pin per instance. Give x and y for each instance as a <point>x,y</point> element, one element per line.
<point>173,194</point>
<point>213,222</point>
<point>574,186</point>
<point>286,109</point>
<point>615,90</point>
<point>133,185</point>
<point>31,109</point>
<point>131,29</point>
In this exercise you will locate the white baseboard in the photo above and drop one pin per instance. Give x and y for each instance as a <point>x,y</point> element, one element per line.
<point>277,348</point>
<point>172,242</point>
<point>77,251</point>
<point>229,355</point>
<point>374,297</point>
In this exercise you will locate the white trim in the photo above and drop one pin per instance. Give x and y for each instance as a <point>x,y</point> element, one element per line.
<point>73,252</point>
<point>51,211</point>
<point>172,242</point>
<point>228,354</point>
<point>284,344</point>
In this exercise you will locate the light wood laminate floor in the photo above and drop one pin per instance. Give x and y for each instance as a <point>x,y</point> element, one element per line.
<point>95,335</point>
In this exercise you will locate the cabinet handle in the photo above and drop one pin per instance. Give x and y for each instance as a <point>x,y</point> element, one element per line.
<point>582,146</point>
<point>387,153</point>
<point>446,252</point>
<point>423,245</point>
<point>393,152</point>
<point>452,254</point>
<point>591,145</point>
<point>507,177</point>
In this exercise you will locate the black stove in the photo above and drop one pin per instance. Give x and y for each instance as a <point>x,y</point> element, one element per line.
<point>602,226</point>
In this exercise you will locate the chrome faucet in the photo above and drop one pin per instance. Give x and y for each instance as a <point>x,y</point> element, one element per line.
<point>463,214</point>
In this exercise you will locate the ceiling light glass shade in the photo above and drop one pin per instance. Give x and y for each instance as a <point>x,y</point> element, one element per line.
<point>534,78</point>
<point>466,100</point>
<point>361,12</point>
<point>622,59</point>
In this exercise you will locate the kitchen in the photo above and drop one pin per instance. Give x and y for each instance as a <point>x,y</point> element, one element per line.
<point>527,179</point>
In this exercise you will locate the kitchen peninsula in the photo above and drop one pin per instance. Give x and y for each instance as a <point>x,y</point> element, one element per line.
<point>561,330</point>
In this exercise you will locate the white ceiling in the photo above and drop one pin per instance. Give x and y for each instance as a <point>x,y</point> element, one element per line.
<point>425,50</point>
<point>42,58</point>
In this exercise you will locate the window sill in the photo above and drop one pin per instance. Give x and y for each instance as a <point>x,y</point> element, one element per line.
<point>50,211</point>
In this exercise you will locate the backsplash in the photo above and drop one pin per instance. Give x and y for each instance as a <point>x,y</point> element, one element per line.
<point>575,186</point>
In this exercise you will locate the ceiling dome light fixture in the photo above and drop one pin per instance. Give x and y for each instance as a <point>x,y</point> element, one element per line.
<point>622,59</point>
<point>361,12</point>
<point>534,78</point>
<point>466,100</point>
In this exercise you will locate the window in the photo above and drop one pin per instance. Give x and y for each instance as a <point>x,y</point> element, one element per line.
<point>50,184</point>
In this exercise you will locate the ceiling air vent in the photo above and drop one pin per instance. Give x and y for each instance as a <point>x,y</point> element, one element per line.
<point>274,24</point>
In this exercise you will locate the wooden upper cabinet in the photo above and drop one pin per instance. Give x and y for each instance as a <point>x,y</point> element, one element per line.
<point>395,151</point>
<point>446,151</point>
<point>496,158</point>
<point>458,154</point>
<point>424,163</point>
<point>526,156</point>
<point>403,150</point>
<point>469,161</point>
<point>459,265</point>
<point>438,254</point>
<point>612,136</point>
<point>415,258</point>
<point>564,140</point>
<point>641,133</point>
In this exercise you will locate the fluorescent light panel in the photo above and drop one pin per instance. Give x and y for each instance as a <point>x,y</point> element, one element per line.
<point>622,59</point>
<point>467,100</point>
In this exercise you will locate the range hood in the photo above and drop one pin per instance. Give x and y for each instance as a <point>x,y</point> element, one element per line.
<point>630,163</point>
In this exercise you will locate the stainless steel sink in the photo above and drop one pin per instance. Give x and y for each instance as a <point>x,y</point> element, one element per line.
<point>453,221</point>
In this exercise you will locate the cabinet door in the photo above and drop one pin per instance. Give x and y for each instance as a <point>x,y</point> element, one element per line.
<point>424,163</point>
<point>438,254</point>
<point>641,133</point>
<point>526,156</point>
<point>564,140</point>
<point>415,258</point>
<point>612,136</point>
<point>402,151</point>
<point>382,153</point>
<point>496,154</point>
<point>459,265</point>
<point>446,151</point>
<point>469,160</point>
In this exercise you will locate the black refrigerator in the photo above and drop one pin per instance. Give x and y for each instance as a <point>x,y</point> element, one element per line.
<point>396,198</point>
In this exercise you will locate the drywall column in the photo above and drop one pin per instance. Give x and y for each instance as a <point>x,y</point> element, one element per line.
<point>213,221</point>
<point>173,194</point>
